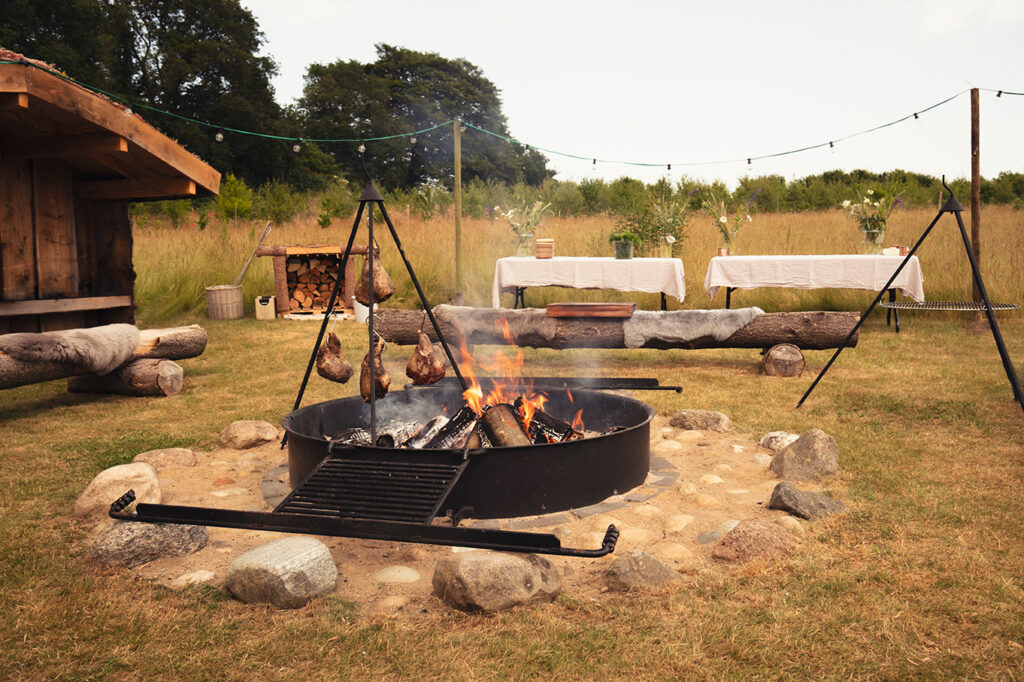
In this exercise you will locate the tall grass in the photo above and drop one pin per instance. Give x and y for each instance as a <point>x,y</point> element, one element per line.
<point>174,265</point>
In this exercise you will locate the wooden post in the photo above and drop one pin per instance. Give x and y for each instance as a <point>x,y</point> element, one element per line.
<point>457,133</point>
<point>976,192</point>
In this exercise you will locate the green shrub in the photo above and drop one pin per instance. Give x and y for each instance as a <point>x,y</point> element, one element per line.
<point>235,199</point>
<point>275,201</point>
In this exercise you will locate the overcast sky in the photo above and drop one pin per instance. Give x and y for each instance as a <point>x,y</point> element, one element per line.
<point>688,83</point>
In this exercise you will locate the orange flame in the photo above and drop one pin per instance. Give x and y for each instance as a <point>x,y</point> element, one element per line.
<point>503,392</point>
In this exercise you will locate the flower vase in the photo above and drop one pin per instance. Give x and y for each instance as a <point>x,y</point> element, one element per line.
<point>524,245</point>
<point>872,242</point>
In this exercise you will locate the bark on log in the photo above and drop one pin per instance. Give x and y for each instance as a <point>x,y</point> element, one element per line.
<point>176,343</point>
<point>530,327</point>
<point>143,377</point>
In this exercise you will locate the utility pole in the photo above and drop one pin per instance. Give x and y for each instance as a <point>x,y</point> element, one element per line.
<point>457,134</point>
<point>975,186</point>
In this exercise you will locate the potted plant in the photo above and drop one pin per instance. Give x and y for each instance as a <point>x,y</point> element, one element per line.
<point>624,242</point>
<point>872,214</point>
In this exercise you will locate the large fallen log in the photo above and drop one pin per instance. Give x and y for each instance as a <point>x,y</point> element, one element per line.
<point>530,327</point>
<point>142,377</point>
<point>176,343</point>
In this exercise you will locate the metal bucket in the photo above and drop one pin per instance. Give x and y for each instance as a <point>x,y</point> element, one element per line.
<point>224,302</point>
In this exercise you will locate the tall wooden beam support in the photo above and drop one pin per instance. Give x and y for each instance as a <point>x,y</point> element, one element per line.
<point>976,192</point>
<point>457,134</point>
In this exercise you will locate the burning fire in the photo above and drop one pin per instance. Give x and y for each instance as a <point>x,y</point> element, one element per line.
<point>504,391</point>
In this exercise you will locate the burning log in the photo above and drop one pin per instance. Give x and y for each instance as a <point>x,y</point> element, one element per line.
<point>547,429</point>
<point>426,432</point>
<point>378,374</point>
<point>330,363</point>
<point>478,439</point>
<point>383,287</point>
<point>502,426</point>
<point>532,328</point>
<point>425,367</point>
<point>456,431</point>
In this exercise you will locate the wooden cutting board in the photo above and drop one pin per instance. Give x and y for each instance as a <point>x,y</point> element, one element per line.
<point>590,309</point>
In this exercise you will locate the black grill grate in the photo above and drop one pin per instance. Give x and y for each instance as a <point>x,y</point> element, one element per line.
<point>383,490</point>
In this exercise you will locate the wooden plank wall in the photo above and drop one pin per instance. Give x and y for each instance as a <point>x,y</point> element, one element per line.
<point>54,246</point>
<point>17,243</point>
<point>56,239</point>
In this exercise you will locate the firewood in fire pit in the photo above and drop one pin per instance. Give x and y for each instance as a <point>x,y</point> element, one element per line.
<point>383,287</point>
<point>426,432</point>
<point>425,367</point>
<point>330,363</point>
<point>478,439</point>
<point>547,429</point>
<point>458,429</point>
<point>502,426</point>
<point>379,374</point>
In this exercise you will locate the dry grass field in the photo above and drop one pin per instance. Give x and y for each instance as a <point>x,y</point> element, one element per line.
<point>923,578</point>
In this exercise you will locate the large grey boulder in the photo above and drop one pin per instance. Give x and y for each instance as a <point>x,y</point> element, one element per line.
<point>639,570</point>
<point>700,420</point>
<point>811,457</point>
<point>247,433</point>
<point>753,540</point>
<point>803,503</point>
<point>165,458</point>
<point>287,573</point>
<point>114,482</point>
<point>129,544</point>
<point>494,581</point>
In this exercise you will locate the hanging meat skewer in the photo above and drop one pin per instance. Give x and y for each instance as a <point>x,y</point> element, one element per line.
<point>383,287</point>
<point>425,366</point>
<point>378,374</point>
<point>330,363</point>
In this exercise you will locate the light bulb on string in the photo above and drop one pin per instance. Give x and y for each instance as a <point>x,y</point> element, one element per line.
<point>297,147</point>
<point>593,166</point>
<point>915,116</point>
<point>999,94</point>
<point>361,149</point>
<point>412,140</point>
<point>832,147</point>
<point>750,164</point>
<point>219,137</point>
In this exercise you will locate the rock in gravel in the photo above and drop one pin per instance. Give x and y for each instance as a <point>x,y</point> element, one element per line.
<point>677,522</point>
<point>114,482</point>
<point>166,458</point>
<point>812,456</point>
<point>638,570</point>
<point>494,581</point>
<point>700,420</point>
<point>247,433</point>
<point>792,524</point>
<point>776,441</point>
<point>803,503</point>
<point>127,544</point>
<point>287,573</point>
<point>396,574</point>
<point>753,540</point>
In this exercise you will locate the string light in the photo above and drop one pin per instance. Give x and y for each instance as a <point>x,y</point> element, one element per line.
<point>463,126</point>
<point>832,147</point>
<point>361,149</point>
<point>412,140</point>
<point>750,164</point>
<point>219,137</point>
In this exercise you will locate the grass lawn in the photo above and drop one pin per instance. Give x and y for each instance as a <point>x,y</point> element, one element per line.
<point>924,577</point>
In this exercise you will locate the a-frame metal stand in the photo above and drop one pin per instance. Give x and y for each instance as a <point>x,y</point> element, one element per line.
<point>951,206</point>
<point>367,199</point>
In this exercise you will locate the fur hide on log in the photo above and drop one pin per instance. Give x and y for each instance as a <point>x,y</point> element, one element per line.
<point>97,350</point>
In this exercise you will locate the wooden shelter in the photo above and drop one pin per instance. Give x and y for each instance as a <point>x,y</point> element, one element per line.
<point>70,162</point>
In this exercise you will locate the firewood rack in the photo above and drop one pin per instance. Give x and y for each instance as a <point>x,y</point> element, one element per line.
<point>950,206</point>
<point>385,498</point>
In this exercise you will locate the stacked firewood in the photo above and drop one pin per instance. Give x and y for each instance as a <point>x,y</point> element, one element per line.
<point>310,281</point>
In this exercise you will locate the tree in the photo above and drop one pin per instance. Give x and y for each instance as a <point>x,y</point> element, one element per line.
<point>404,91</point>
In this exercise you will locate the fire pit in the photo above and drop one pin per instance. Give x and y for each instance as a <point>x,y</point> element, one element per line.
<point>498,482</point>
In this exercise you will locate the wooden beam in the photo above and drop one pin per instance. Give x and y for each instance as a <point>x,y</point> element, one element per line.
<point>63,305</point>
<point>142,188</point>
<point>65,146</point>
<point>13,100</point>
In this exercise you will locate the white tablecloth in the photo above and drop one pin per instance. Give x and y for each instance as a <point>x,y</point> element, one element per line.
<point>815,272</point>
<point>651,275</point>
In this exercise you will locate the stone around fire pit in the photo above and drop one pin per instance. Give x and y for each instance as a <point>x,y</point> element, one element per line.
<point>127,544</point>
<point>700,420</point>
<point>494,581</point>
<point>811,457</point>
<point>111,483</point>
<point>247,433</point>
<point>637,570</point>
<point>287,573</point>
